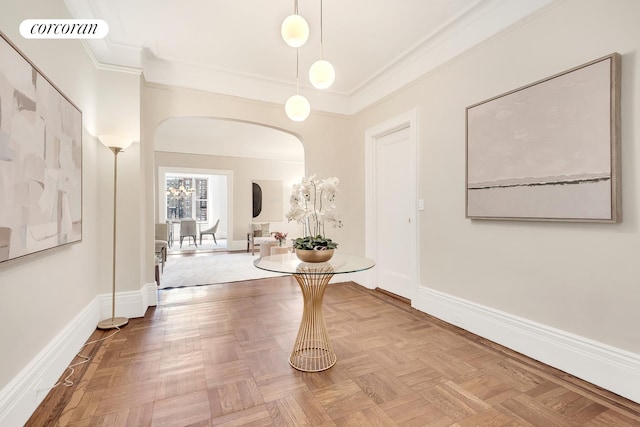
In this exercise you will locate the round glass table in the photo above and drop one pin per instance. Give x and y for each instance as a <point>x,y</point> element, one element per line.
<point>312,351</point>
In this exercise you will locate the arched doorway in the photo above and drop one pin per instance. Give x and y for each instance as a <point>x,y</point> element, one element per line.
<point>218,160</point>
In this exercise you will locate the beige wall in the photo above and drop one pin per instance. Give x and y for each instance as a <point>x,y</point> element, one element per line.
<point>331,148</point>
<point>244,171</point>
<point>578,278</point>
<point>41,294</point>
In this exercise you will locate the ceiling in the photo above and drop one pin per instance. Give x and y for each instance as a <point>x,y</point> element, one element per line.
<point>235,47</point>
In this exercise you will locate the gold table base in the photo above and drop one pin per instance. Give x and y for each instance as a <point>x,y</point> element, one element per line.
<point>312,351</point>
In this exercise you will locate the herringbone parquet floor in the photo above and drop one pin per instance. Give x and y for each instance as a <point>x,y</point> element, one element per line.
<point>217,356</point>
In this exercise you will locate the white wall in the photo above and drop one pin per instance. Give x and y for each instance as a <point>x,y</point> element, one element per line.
<point>42,296</point>
<point>577,279</point>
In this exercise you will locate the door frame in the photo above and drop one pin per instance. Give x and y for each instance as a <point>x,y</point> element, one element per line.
<point>405,120</point>
<point>162,199</point>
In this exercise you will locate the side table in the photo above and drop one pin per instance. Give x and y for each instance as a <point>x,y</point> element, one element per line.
<point>265,247</point>
<point>278,250</point>
<point>312,350</point>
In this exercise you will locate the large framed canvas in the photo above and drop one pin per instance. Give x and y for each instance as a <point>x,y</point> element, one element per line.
<point>549,150</point>
<point>40,160</point>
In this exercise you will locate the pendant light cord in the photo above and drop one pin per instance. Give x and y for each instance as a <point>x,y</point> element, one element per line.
<point>321,42</point>
<point>297,75</point>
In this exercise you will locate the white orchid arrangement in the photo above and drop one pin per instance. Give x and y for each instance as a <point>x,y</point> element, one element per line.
<point>313,205</point>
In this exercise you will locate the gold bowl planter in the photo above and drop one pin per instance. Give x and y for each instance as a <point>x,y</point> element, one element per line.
<point>310,255</point>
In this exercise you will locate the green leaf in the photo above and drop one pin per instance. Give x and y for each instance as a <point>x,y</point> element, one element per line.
<point>317,242</point>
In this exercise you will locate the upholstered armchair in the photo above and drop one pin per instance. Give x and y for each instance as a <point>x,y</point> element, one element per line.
<point>258,234</point>
<point>162,239</point>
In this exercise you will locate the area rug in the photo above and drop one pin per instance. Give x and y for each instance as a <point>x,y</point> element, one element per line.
<point>207,245</point>
<point>210,269</point>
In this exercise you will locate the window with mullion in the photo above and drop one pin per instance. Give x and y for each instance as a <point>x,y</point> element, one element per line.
<point>202,199</point>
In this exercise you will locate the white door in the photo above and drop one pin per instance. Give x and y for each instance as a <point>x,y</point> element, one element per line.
<point>394,223</point>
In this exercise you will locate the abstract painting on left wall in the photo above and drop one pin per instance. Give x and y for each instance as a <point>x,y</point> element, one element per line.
<point>40,160</point>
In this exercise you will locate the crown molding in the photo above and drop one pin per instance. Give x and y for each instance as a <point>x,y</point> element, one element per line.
<point>472,27</point>
<point>225,82</point>
<point>482,20</point>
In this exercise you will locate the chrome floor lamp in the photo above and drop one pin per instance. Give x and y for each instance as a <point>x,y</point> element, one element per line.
<point>116,145</point>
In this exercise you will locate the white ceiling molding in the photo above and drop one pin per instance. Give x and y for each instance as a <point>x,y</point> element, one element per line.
<point>472,27</point>
<point>471,23</point>
<point>226,82</point>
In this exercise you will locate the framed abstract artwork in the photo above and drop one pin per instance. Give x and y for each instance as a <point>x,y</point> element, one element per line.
<point>548,151</point>
<point>40,160</point>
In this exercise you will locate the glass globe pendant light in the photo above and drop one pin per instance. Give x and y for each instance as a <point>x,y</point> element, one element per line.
<point>321,74</point>
<point>295,30</point>
<point>297,106</point>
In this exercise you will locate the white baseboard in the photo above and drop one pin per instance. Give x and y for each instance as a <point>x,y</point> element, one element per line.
<point>26,391</point>
<point>149,297</point>
<point>363,278</point>
<point>130,304</point>
<point>609,367</point>
<point>22,395</point>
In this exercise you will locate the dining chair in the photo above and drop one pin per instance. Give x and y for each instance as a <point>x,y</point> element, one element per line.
<point>170,234</point>
<point>188,230</point>
<point>213,230</point>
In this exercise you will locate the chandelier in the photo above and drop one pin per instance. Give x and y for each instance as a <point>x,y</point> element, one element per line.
<point>180,193</point>
<point>295,32</point>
